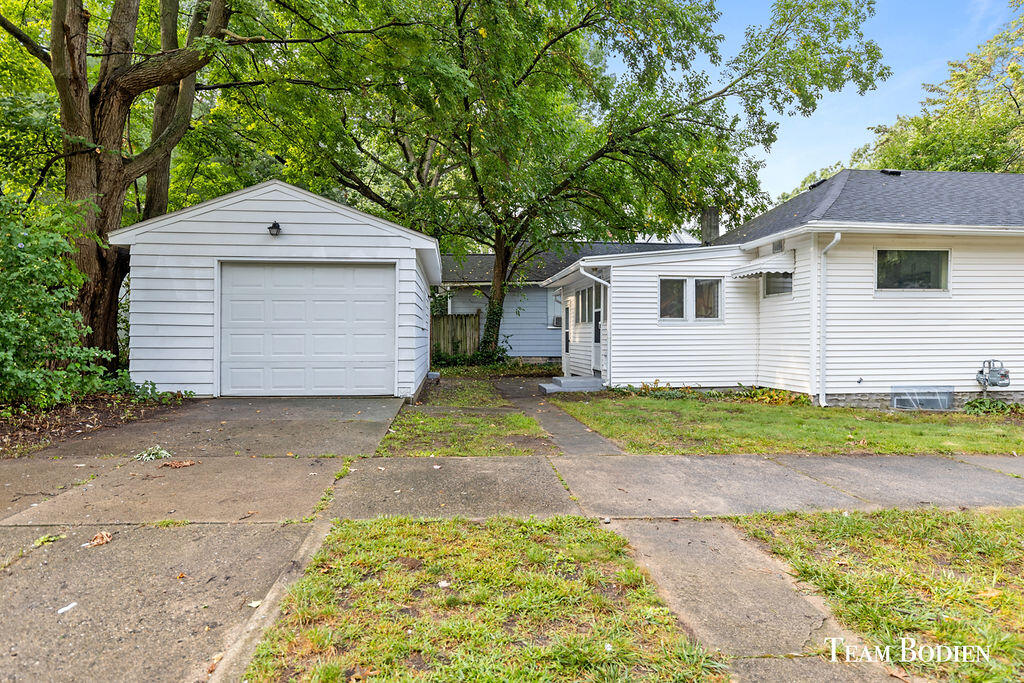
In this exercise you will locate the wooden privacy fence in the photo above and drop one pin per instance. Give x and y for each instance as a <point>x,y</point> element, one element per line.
<point>455,333</point>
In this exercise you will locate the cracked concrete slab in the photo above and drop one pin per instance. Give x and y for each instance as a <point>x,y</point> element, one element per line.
<point>255,426</point>
<point>152,604</point>
<point>1008,464</point>
<point>224,489</point>
<point>29,480</point>
<point>731,595</point>
<point>804,670</point>
<point>689,486</point>
<point>473,487</point>
<point>911,480</point>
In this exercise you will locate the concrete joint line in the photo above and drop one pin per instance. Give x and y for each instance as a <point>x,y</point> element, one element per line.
<point>233,664</point>
<point>821,481</point>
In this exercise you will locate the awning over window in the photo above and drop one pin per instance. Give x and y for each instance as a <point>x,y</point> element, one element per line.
<point>783,262</point>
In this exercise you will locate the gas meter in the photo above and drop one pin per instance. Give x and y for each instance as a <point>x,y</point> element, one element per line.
<point>993,374</point>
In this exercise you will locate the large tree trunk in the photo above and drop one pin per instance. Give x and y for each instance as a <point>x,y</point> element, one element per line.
<point>94,117</point>
<point>491,339</point>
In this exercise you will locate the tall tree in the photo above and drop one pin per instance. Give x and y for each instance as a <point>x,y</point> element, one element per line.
<point>96,80</point>
<point>973,121</point>
<point>519,125</point>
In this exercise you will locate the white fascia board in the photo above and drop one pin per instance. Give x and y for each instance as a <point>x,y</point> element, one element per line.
<point>129,234</point>
<point>863,227</point>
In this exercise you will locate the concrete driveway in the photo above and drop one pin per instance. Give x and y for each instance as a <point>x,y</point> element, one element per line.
<point>160,602</point>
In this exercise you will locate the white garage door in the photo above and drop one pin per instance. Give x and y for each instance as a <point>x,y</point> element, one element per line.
<point>304,329</point>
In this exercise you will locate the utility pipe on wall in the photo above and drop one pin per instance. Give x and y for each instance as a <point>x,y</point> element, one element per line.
<point>823,322</point>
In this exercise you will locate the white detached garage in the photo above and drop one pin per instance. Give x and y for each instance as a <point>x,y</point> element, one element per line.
<point>275,291</point>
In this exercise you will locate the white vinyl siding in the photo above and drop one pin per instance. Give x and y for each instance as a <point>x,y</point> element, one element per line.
<point>784,338</point>
<point>645,347</point>
<point>175,267</point>
<point>924,337</point>
<point>524,321</point>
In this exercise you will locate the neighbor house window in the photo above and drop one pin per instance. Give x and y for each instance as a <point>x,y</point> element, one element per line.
<point>778,283</point>
<point>554,309</point>
<point>707,295</point>
<point>917,269</point>
<point>673,298</point>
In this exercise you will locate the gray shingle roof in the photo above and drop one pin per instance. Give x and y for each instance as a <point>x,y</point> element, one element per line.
<point>922,197</point>
<point>477,268</point>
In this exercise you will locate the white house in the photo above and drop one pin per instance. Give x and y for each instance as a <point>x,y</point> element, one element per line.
<point>275,291</point>
<point>531,323</point>
<point>880,288</point>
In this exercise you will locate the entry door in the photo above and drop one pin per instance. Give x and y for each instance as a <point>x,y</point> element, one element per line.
<point>298,329</point>
<point>595,356</point>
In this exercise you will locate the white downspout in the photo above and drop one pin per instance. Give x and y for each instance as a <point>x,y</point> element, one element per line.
<point>823,320</point>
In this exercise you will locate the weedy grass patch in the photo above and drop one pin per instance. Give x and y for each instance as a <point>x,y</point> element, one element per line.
<point>419,434</point>
<point>401,599</point>
<point>953,578</point>
<point>691,426</point>
<point>464,393</point>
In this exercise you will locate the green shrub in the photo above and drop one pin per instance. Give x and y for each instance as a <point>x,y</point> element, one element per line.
<point>765,395</point>
<point>992,406</point>
<point>42,360</point>
<point>442,359</point>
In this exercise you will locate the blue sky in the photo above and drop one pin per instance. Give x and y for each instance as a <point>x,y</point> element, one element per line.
<point>917,37</point>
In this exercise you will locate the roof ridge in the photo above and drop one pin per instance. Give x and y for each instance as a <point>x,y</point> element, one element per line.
<point>831,196</point>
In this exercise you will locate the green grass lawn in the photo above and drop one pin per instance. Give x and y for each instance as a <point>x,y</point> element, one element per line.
<point>420,434</point>
<point>400,599</point>
<point>464,393</point>
<point>940,577</point>
<point>649,425</point>
<point>512,369</point>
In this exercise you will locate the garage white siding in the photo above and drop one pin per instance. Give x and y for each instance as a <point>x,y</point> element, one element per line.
<point>176,278</point>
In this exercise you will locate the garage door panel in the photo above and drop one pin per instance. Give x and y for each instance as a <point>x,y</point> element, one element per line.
<point>244,345</point>
<point>241,311</point>
<point>307,329</point>
<point>288,345</point>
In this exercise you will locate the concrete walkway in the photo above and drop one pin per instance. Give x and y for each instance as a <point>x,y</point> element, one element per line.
<point>163,603</point>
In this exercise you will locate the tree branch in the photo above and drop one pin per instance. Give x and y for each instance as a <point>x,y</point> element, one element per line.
<point>34,48</point>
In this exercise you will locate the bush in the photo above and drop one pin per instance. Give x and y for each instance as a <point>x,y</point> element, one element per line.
<point>442,359</point>
<point>42,360</point>
<point>765,395</point>
<point>992,406</point>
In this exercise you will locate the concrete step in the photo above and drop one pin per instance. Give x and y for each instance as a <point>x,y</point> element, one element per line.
<point>578,383</point>
<point>549,388</point>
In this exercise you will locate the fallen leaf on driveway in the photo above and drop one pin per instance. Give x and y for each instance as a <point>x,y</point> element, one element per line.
<point>177,464</point>
<point>255,603</point>
<point>101,538</point>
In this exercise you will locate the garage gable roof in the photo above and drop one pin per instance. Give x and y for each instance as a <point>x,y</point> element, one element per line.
<point>425,245</point>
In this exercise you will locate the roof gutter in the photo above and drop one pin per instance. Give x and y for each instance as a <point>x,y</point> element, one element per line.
<point>823,321</point>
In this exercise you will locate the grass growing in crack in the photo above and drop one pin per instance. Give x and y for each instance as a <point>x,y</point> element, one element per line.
<point>170,523</point>
<point>663,426</point>
<point>552,600</point>
<point>464,393</point>
<point>941,577</point>
<point>497,370</point>
<point>418,434</point>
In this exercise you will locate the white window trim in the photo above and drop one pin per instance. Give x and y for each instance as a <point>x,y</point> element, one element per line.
<point>686,300</point>
<point>721,301</point>
<point>777,295</point>
<point>915,293</point>
<point>553,297</point>
<point>690,301</point>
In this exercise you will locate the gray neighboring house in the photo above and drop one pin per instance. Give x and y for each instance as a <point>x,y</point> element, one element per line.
<point>875,288</point>
<point>531,326</point>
